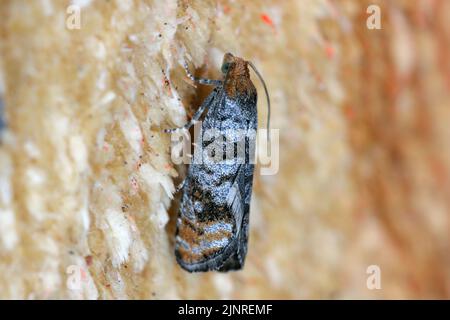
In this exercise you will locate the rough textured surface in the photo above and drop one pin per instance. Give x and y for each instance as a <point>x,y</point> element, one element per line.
<point>85,172</point>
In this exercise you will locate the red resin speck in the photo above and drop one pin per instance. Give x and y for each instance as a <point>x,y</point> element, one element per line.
<point>267,20</point>
<point>329,50</point>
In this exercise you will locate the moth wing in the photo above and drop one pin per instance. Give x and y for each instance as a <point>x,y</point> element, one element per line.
<point>235,198</point>
<point>214,243</point>
<point>239,201</point>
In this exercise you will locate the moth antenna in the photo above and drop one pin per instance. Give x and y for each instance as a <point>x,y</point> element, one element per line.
<point>267,96</point>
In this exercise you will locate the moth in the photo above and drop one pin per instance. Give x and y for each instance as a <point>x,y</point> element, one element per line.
<point>213,223</point>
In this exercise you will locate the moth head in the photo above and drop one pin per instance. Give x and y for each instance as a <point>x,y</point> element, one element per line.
<point>228,62</point>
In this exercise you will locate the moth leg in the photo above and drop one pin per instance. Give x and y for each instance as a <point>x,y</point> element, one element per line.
<point>201,80</point>
<point>197,115</point>
<point>180,186</point>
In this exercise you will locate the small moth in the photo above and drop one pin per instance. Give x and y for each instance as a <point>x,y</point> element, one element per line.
<point>213,222</point>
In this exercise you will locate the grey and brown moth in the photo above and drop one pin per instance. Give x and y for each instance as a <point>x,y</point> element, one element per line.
<point>213,222</point>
